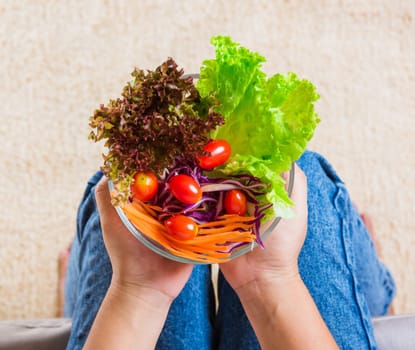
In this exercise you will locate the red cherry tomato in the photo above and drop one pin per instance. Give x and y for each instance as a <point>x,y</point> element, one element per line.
<point>218,151</point>
<point>181,227</point>
<point>235,202</point>
<point>145,185</point>
<point>185,189</point>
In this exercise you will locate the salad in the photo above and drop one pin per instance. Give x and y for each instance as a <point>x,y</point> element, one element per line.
<point>196,165</point>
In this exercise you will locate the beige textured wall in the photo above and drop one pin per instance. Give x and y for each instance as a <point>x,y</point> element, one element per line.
<point>60,59</point>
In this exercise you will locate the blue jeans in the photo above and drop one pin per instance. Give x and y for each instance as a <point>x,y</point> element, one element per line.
<point>338,264</point>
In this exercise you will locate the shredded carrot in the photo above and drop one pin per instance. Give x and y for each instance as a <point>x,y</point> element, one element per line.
<point>150,209</point>
<point>226,219</point>
<point>211,245</point>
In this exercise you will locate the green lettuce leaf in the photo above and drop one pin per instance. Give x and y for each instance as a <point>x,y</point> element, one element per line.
<point>268,121</point>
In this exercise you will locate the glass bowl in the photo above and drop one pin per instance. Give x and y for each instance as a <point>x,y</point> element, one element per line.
<point>265,229</point>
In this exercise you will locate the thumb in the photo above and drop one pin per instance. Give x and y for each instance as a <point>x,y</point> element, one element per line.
<point>103,199</point>
<point>299,192</point>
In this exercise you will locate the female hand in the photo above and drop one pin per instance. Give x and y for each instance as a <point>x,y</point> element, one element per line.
<point>143,285</point>
<point>134,265</point>
<point>273,295</point>
<point>279,258</point>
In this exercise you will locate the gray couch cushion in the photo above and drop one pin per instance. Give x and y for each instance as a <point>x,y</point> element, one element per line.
<point>39,334</point>
<point>395,332</point>
<point>392,333</point>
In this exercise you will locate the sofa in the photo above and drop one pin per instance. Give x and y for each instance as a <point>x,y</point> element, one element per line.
<point>395,332</point>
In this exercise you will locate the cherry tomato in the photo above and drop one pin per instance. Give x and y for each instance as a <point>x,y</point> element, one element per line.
<point>185,189</point>
<point>235,202</point>
<point>145,185</point>
<point>181,227</point>
<point>218,151</point>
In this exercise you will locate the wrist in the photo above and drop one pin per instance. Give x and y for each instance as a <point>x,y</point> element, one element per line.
<point>267,302</point>
<point>129,316</point>
<point>132,295</point>
<point>278,307</point>
<point>268,286</point>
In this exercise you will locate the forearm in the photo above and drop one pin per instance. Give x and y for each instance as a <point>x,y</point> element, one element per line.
<point>128,319</point>
<point>284,316</point>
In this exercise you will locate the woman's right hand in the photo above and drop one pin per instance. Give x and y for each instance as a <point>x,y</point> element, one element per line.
<point>267,281</point>
<point>279,258</point>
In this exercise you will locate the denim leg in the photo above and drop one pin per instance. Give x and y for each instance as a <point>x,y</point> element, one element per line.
<point>189,321</point>
<point>338,264</point>
<point>374,279</point>
<point>89,269</point>
<point>233,329</point>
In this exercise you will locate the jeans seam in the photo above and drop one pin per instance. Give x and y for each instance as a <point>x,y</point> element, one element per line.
<point>349,257</point>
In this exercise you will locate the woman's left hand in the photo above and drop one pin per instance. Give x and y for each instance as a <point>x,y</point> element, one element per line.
<point>134,265</point>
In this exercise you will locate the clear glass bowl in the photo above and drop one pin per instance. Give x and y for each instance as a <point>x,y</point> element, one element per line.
<point>265,229</point>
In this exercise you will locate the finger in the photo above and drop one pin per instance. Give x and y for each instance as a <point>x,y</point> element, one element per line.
<point>286,175</point>
<point>103,199</point>
<point>111,223</point>
<point>299,192</point>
